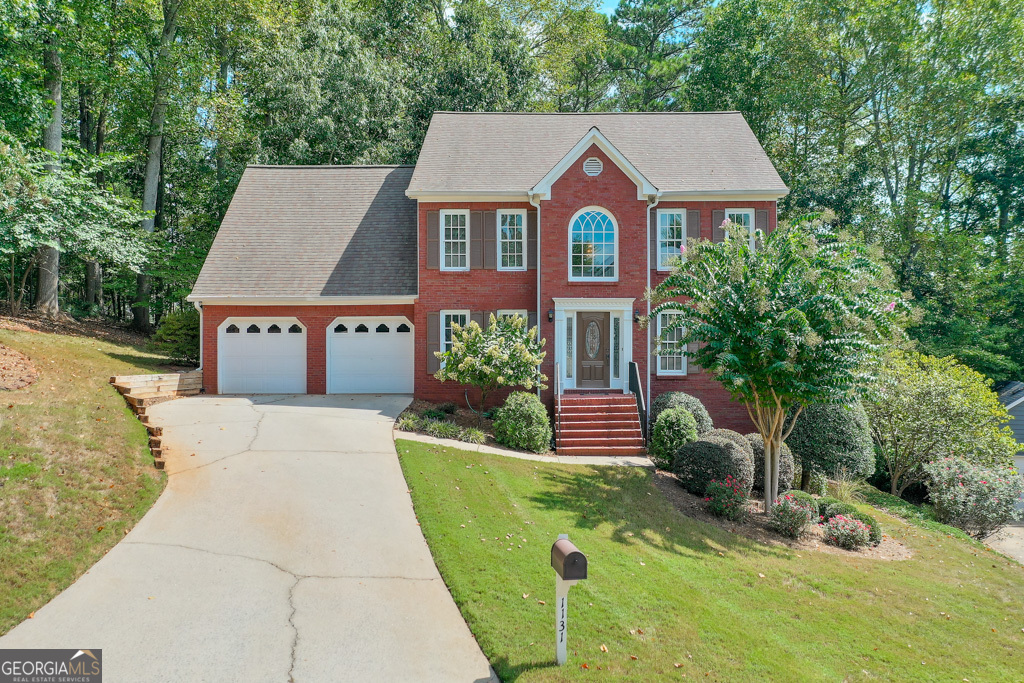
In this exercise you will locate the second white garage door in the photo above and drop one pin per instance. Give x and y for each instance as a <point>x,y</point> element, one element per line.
<point>370,356</point>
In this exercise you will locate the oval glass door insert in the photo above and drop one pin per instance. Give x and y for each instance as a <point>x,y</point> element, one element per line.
<point>593,339</point>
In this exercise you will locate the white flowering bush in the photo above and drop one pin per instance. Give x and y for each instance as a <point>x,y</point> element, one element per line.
<point>504,354</point>
<point>978,499</point>
<point>846,532</point>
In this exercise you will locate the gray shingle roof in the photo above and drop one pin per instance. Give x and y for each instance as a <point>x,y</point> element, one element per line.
<point>677,152</point>
<point>311,231</point>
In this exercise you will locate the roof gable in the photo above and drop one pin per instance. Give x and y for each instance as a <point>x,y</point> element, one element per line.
<point>594,137</point>
<point>683,154</point>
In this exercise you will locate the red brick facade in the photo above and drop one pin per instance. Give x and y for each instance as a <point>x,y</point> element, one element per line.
<point>491,290</point>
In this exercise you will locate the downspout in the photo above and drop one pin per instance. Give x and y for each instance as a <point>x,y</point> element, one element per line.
<point>536,203</point>
<point>199,307</point>
<point>650,208</point>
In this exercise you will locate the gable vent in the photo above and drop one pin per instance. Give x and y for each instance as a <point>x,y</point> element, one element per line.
<point>593,166</point>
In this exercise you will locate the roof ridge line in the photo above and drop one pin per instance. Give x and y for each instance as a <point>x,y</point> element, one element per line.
<point>338,166</point>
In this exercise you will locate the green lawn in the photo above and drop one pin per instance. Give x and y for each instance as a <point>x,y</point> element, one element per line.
<point>75,468</point>
<point>669,590</point>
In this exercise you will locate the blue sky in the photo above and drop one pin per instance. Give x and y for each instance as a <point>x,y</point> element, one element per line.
<point>608,6</point>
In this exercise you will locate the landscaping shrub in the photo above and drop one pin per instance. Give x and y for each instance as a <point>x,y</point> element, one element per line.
<point>709,459</point>
<point>523,423</point>
<point>978,499</point>
<point>678,399</point>
<point>805,498</point>
<point>817,484</point>
<point>177,337</point>
<point>473,435</point>
<point>786,466</point>
<point>830,507</point>
<point>673,428</point>
<point>846,532</point>
<point>434,414</point>
<point>448,408</point>
<point>790,516</point>
<point>409,422</point>
<point>829,439</point>
<point>441,430</point>
<point>726,499</point>
<point>874,528</point>
<point>738,438</point>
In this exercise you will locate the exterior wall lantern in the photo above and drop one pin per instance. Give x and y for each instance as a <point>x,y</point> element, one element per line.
<point>570,566</point>
<point>551,315</point>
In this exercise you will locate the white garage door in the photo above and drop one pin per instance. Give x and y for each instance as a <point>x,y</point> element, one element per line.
<point>261,356</point>
<point>370,356</point>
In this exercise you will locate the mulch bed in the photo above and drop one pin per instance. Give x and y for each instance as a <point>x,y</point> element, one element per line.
<point>16,370</point>
<point>756,528</point>
<point>464,417</point>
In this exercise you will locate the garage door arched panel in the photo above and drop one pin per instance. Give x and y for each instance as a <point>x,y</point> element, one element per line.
<point>370,355</point>
<point>261,356</point>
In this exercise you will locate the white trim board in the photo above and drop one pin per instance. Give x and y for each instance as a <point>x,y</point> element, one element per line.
<point>644,187</point>
<point>303,300</point>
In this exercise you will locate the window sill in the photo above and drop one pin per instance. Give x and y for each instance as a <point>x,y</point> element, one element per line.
<point>593,282</point>
<point>670,374</point>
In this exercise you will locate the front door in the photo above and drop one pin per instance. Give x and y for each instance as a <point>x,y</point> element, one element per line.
<point>592,350</point>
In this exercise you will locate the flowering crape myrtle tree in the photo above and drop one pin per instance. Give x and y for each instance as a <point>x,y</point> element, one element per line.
<point>790,322</point>
<point>505,354</point>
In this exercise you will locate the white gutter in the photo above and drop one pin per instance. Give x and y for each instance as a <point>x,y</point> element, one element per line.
<point>199,307</point>
<point>650,208</point>
<point>307,300</point>
<point>536,203</point>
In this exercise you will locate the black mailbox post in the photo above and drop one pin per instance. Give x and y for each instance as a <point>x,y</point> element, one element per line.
<point>570,566</point>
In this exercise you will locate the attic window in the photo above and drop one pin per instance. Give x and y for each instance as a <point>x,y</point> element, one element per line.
<point>232,329</point>
<point>274,329</point>
<point>593,166</point>
<point>253,329</point>
<point>295,329</point>
<point>340,328</point>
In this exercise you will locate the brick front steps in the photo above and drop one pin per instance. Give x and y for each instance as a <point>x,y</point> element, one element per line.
<point>142,391</point>
<point>599,424</point>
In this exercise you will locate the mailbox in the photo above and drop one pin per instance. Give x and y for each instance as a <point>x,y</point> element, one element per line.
<point>568,561</point>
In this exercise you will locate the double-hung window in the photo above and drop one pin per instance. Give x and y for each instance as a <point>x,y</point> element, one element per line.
<point>511,313</point>
<point>671,236</point>
<point>512,239</point>
<point>455,240</point>
<point>461,318</point>
<point>671,350</point>
<point>744,218</point>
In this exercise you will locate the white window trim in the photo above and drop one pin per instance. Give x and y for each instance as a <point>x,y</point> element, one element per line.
<point>657,227</point>
<point>444,314</point>
<point>521,312</point>
<point>753,225</point>
<point>441,240</point>
<point>670,373</point>
<point>615,225</point>
<point>497,242</point>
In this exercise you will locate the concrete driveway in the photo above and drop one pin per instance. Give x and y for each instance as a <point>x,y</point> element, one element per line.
<point>284,549</point>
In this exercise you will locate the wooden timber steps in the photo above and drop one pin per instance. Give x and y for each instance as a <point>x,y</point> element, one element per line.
<point>599,424</point>
<point>142,391</point>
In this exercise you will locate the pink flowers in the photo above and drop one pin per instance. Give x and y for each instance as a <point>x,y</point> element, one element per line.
<point>890,307</point>
<point>682,249</point>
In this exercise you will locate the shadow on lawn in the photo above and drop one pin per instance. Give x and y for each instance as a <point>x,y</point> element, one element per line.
<point>509,672</point>
<point>626,498</point>
<point>158,364</point>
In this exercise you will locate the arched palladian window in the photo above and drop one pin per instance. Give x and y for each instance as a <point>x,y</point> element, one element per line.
<point>593,245</point>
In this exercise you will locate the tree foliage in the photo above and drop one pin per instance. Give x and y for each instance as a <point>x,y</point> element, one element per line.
<point>783,325</point>
<point>925,408</point>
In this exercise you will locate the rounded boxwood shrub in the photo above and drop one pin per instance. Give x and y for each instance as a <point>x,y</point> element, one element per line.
<point>830,507</point>
<point>790,516</point>
<point>522,422</point>
<point>740,440</point>
<point>785,463</point>
<point>830,439</point>
<point>709,459</point>
<point>679,399</point>
<point>805,498</point>
<point>673,428</point>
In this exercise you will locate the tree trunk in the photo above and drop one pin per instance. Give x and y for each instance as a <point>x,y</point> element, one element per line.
<point>93,284</point>
<point>46,302</point>
<point>805,478</point>
<point>769,497</point>
<point>154,149</point>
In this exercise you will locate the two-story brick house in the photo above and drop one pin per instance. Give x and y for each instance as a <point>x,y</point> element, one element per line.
<point>346,279</point>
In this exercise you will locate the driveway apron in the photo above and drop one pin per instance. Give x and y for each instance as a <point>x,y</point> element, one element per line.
<point>284,548</point>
